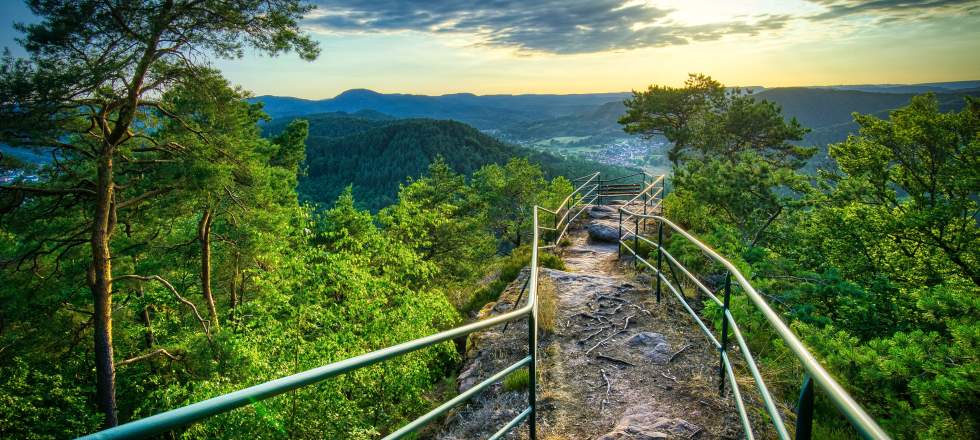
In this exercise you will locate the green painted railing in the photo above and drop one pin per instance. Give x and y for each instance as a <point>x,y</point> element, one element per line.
<point>180,417</point>
<point>815,374</point>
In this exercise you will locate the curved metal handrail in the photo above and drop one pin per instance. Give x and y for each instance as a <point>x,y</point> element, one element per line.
<point>858,417</point>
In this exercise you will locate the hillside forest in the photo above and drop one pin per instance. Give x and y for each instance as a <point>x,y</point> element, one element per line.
<point>181,245</point>
<point>873,262</point>
<point>373,152</point>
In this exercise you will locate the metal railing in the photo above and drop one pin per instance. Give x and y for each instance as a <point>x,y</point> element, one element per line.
<point>187,415</point>
<point>814,371</point>
<point>607,190</point>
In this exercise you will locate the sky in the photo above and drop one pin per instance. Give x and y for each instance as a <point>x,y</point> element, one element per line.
<point>584,46</point>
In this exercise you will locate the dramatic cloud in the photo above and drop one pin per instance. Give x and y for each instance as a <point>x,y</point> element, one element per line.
<point>890,10</point>
<point>554,26</point>
<point>587,26</point>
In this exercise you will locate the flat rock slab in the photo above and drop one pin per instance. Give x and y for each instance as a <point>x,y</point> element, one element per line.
<point>643,423</point>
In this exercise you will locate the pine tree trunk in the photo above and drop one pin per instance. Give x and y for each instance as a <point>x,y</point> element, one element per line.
<point>100,283</point>
<point>204,235</point>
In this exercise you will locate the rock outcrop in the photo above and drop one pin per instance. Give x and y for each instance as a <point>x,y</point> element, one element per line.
<point>652,346</point>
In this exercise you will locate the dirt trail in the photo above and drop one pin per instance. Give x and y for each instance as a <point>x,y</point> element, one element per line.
<point>614,364</point>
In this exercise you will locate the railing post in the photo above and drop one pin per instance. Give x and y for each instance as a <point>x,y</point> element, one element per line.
<point>599,189</point>
<point>804,410</point>
<point>532,378</point>
<point>636,242</point>
<point>557,212</point>
<point>644,213</point>
<point>660,255</point>
<point>724,334</point>
<point>619,239</point>
<point>646,195</point>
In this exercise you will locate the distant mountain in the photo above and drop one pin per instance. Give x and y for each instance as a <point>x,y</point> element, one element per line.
<point>816,108</point>
<point>481,111</point>
<point>377,155</point>
<point>828,112</point>
<point>936,87</point>
<point>600,121</point>
<point>333,124</point>
<point>821,109</point>
<point>530,118</point>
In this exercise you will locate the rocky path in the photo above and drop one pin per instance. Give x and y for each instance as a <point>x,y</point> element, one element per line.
<point>614,364</point>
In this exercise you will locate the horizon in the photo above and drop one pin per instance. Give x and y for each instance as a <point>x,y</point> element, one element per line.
<point>619,92</point>
<point>597,46</point>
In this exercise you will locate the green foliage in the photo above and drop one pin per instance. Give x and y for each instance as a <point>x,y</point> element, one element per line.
<point>511,192</point>
<point>704,121</point>
<point>671,111</point>
<point>510,268</point>
<point>374,154</point>
<point>443,219</point>
<point>875,266</point>
<point>517,381</point>
<point>27,412</point>
<point>168,231</point>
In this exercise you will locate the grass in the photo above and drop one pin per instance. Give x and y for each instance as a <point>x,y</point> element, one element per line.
<point>517,381</point>
<point>547,306</point>
<point>510,268</point>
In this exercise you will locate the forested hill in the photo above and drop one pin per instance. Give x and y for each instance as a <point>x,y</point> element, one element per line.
<point>375,155</point>
<point>333,124</point>
<point>817,108</point>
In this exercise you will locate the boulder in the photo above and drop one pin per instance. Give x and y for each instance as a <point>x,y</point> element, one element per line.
<point>604,232</point>
<point>643,423</point>
<point>602,212</point>
<point>653,346</point>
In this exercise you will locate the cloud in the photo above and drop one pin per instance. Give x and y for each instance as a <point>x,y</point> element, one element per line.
<point>588,26</point>
<point>895,10</point>
<point>550,26</point>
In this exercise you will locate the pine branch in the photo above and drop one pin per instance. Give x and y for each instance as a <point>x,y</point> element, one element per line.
<point>157,352</point>
<point>204,323</point>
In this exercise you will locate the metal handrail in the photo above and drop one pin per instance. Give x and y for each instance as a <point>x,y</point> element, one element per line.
<point>189,414</point>
<point>576,190</point>
<point>614,179</point>
<point>857,416</point>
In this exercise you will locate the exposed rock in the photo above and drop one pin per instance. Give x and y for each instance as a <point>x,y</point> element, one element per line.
<point>502,306</point>
<point>652,346</point>
<point>469,377</point>
<point>643,423</point>
<point>617,202</point>
<point>602,212</point>
<point>604,232</point>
